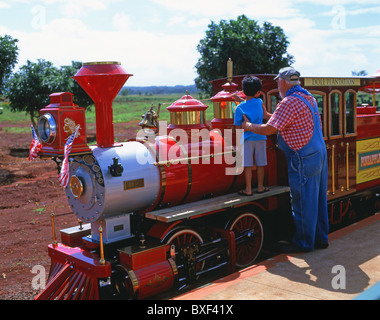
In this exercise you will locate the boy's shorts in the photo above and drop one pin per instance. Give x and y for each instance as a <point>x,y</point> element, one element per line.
<point>255,149</point>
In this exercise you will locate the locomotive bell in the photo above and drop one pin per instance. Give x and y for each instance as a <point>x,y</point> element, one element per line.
<point>150,119</point>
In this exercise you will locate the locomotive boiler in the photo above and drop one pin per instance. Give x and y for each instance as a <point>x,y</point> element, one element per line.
<point>161,210</point>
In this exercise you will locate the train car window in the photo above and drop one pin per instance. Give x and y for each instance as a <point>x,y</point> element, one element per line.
<point>273,99</point>
<point>320,97</point>
<point>335,113</point>
<point>350,112</point>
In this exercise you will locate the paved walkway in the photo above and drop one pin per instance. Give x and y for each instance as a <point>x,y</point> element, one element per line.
<point>349,266</point>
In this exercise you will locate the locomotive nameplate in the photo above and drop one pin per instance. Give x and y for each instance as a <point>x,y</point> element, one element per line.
<point>134,184</point>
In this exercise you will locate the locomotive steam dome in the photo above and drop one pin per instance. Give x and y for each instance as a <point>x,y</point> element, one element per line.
<point>225,103</point>
<point>187,113</point>
<point>224,106</point>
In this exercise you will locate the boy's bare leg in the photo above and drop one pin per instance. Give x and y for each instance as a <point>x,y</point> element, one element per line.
<point>260,178</point>
<point>248,179</point>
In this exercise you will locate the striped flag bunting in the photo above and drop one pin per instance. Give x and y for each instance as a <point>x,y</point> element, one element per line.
<point>64,174</point>
<point>35,146</point>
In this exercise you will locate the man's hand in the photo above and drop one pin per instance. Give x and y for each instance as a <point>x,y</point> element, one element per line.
<point>263,129</point>
<point>246,124</point>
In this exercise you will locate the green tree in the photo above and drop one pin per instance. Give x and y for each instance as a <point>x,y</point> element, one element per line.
<point>29,89</point>
<point>253,48</point>
<point>8,58</point>
<point>80,97</point>
<point>359,73</point>
<point>124,92</point>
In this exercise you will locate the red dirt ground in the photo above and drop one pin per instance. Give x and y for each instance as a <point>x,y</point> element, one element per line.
<point>29,193</point>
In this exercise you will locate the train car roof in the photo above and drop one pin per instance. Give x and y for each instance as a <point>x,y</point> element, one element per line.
<point>328,83</point>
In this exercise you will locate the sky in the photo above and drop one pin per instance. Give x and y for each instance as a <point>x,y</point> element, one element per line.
<point>156,40</point>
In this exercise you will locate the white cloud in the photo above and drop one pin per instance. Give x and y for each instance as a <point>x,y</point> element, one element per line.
<point>293,26</point>
<point>176,20</point>
<point>333,52</point>
<point>204,22</point>
<point>338,2</point>
<point>4,5</point>
<point>154,59</point>
<point>75,8</point>
<point>161,57</point>
<point>122,21</point>
<point>371,10</point>
<point>231,9</point>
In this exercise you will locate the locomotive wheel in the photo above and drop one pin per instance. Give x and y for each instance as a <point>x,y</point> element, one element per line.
<point>184,239</point>
<point>247,250</point>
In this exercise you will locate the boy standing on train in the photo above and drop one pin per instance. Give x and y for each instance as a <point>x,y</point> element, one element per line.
<point>254,144</point>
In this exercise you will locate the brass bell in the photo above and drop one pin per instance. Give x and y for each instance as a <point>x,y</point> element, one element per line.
<point>150,119</point>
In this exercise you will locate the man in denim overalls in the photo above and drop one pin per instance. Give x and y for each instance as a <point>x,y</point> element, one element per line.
<point>297,121</point>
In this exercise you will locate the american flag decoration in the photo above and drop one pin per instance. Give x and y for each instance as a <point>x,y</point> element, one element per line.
<point>35,146</point>
<point>64,174</point>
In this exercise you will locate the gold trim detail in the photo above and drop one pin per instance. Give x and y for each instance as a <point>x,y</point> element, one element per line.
<point>224,110</point>
<point>100,62</point>
<point>331,82</point>
<point>101,261</point>
<point>187,160</point>
<point>163,183</point>
<point>174,268</point>
<point>70,126</point>
<point>76,186</point>
<point>134,281</point>
<point>54,243</point>
<point>187,117</point>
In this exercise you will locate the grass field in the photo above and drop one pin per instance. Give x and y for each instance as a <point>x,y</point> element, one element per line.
<point>125,109</point>
<point>128,108</point>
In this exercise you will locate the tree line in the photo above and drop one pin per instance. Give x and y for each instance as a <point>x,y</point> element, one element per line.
<point>154,90</point>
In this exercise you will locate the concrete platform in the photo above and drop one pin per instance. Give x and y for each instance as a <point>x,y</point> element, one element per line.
<point>349,266</point>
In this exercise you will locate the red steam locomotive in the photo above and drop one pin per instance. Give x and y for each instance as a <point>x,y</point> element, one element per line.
<point>159,211</point>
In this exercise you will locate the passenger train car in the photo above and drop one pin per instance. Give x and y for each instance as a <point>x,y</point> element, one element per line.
<point>159,211</point>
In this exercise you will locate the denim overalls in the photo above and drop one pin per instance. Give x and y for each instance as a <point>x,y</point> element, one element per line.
<point>307,170</point>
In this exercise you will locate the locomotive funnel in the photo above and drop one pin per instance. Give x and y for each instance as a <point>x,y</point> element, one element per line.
<point>102,81</point>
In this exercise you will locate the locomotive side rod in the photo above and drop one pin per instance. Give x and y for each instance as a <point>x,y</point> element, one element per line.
<point>195,254</point>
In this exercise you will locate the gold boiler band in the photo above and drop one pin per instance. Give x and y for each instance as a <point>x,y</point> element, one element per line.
<point>224,110</point>
<point>187,117</point>
<point>100,62</point>
<point>187,160</point>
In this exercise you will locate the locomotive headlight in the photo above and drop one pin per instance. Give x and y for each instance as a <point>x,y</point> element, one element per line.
<point>47,128</point>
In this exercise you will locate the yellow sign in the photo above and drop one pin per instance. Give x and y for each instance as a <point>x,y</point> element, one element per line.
<point>333,82</point>
<point>367,160</point>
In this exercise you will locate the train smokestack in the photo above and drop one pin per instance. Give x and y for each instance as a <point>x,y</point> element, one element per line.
<point>102,81</point>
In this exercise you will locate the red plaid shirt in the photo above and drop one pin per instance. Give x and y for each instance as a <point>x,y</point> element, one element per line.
<point>294,121</point>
